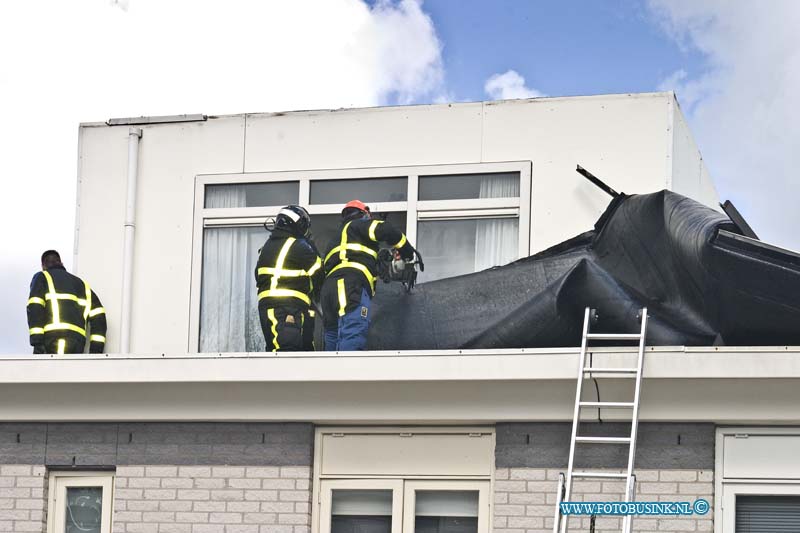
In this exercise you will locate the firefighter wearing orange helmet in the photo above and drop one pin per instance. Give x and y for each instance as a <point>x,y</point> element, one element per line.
<point>350,274</point>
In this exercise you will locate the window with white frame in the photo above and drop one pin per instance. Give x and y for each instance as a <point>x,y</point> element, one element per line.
<point>80,502</point>
<point>403,506</point>
<point>415,480</point>
<point>461,219</point>
<point>757,480</point>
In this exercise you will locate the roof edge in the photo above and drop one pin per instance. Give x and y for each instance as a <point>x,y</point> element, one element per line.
<point>152,120</point>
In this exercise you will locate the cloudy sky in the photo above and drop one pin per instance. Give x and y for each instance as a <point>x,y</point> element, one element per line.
<point>734,65</point>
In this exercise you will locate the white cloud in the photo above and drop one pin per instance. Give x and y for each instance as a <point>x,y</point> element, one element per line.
<point>743,108</point>
<point>690,90</point>
<point>408,53</point>
<point>508,85</point>
<point>67,62</point>
<point>122,4</point>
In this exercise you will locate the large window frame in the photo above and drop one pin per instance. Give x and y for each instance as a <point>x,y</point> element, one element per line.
<point>60,481</point>
<point>727,520</point>
<point>478,476</point>
<point>416,210</point>
<point>727,488</point>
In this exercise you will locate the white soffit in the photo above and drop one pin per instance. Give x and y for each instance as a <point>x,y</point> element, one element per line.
<point>450,365</point>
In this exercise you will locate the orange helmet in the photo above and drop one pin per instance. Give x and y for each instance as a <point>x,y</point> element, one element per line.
<point>358,204</point>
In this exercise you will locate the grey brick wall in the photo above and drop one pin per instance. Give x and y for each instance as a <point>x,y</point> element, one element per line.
<point>170,478</point>
<point>212,499</point>
<point>98,444</point>
<point>674,462</point>
<point>256,478</point>
<point>22,444</point>
<point>23,491</point>
<point>659,445</point>
<point>524,500</point>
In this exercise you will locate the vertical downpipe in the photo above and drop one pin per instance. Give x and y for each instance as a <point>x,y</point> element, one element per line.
<point>134,134</point>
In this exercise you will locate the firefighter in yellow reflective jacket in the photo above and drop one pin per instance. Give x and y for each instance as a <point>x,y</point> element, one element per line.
<point>350,270</point>
<point>61,308</point>
<point>289,276</point>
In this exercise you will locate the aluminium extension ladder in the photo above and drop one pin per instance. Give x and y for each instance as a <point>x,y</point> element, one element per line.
<point>565,483</point>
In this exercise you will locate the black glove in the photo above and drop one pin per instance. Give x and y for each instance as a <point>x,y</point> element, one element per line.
<point>38,349</point>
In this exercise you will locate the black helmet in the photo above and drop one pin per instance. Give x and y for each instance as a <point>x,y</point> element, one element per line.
<point>294,219</point>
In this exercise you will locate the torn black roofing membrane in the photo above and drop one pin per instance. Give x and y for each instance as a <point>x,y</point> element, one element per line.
<point>702,284</point>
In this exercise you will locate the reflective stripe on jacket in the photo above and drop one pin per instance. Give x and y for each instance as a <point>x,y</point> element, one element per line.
<point>357,247</point>
<point>288,270</point>
<point>60,302</point>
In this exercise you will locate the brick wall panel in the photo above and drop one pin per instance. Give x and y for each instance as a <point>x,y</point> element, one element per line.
<point>22,495</point>
<point>530,510</point>
<point>203,499</point>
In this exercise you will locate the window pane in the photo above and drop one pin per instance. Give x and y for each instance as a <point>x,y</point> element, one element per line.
<point>366,190</point>
<point>469,186</point>
<point>454,247</point>
<point>84,510</point>
<point>325,230</point>
<point>228,301</point>
<point>767,514</point>
<point>252,194</point>
<point>361,511</point>
<point>326,234</point>
<point>447,511</point>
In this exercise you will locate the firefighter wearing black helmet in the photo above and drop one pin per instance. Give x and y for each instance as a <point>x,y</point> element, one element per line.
<point>289,277</point>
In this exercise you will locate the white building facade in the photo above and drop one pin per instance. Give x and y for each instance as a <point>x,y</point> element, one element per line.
<point>196,430</point>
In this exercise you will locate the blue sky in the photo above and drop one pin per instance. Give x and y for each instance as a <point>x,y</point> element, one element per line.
<point>560,48</point>
<point>734,66</point>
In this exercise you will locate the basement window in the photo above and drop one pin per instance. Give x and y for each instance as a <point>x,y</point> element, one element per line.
<point>80,502</point>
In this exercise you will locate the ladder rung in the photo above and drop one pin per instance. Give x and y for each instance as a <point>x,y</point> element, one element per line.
<point>603,440</point>
<point>611,370</point>
<point>614,336</point>
<point>613,405</point>
<point>616,475</point>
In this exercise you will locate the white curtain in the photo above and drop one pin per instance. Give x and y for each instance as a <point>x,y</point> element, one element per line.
<point>221,196</point>
<point>497,239</point>
<point>229,303</point>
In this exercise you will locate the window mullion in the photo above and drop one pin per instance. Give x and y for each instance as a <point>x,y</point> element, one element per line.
<point>305,192</point>
<point>411,211</point>
<point>525,219</point>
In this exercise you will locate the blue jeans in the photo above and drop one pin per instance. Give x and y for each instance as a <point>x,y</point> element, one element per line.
<point>351,334</point>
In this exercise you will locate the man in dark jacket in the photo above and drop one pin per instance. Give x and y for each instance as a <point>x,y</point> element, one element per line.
<point>289,276</point>
<point>350,269</point>
<point>61,308</point>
